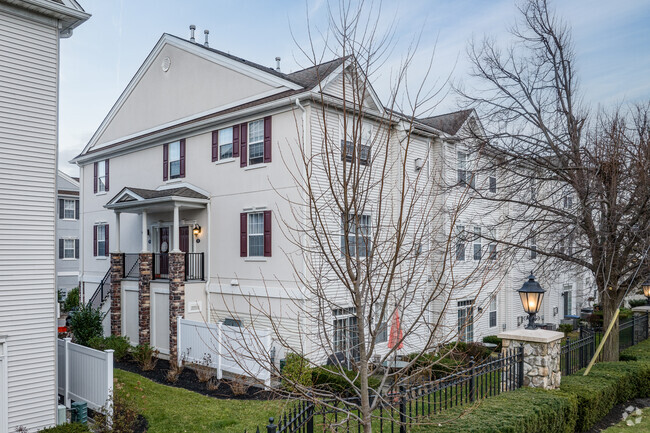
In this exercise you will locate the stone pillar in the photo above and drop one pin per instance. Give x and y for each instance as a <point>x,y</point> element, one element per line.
<point>144,298</point>
<point>541,355</point>
<point>117,272</point>
<point>176,297</point>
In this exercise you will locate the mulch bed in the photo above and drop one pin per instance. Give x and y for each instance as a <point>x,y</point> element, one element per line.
<point>188,380</point>
<point>614,415</point>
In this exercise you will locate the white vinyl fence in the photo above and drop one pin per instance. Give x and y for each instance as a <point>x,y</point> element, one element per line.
<point>233,349</point>
<point>84,374</point>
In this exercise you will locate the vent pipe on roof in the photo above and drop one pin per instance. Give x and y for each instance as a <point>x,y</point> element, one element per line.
<point>277,64</point>
<point>192,28</point>
<point>207,32</point>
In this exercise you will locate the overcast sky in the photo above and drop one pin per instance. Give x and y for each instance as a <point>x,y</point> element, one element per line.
<point>612,41</point>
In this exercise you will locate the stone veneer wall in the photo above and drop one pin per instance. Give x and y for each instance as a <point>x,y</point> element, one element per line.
<point>117,272</point>
<point>541,356</point>
<point>176,298</point>
<point>144,298</point>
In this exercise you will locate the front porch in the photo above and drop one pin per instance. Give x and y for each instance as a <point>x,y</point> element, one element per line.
<point>153,281</point>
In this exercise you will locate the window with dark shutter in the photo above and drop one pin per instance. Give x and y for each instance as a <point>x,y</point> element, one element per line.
<point>182,160</point>
<point>243,154</point>
<point>94,241</point>
<point>95,178</point>
<point>61,209</point>
<point>106,175</point>
<point>106,250</point>
<point>235,141</point>
<point>76,209</point>
<point>243,235</point>
<point>165,161</point>
<point>215,146</point>
<point>267,233</point>
<point>76,248</point>
<point>267,139</point>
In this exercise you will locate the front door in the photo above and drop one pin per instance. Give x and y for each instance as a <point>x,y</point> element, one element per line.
<point>184,234</point>
<point>163,266</point>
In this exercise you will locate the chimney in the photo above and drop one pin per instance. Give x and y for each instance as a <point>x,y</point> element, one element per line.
<point>277,64</point>
<point>207,32</point>
<point>192,28</point>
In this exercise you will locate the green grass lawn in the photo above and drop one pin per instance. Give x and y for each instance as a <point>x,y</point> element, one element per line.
<point>175,410</point>
<point>643,427</point>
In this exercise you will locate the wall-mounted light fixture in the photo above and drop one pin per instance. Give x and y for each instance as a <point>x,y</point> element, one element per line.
<point>196,230</point>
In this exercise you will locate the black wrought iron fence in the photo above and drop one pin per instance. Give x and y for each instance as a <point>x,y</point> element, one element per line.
<point>400,408</point>
<point>131,265</point>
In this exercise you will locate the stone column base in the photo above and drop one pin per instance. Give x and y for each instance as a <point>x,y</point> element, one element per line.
<point>541,355</point>
<point>117,272</point>
<point>176,298</point>
<point>144,298</point>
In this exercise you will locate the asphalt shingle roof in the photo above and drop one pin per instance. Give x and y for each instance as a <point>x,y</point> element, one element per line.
<point>448,122</point>
<point>177,192</point>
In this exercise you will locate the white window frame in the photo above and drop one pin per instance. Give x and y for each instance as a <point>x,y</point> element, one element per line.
<point>347,142</point>
<point>171,146</point>
<point>477,243</point>
<point>465,176</point>
<point>249,233</point>
<point>465,330</point>
<point>223,144</point>
<point>347,242</point>
<point>343,333</point>
<point>461,243</point>
<point>492,244</point>
<point>492,313</point>
<point>567,201</point>
<point>492,180</point>
<point>66,202</point>
<point>103,239</point>
<point>66,241</point>
<point>256,143</point>
<point>533,247</point>
<point>101,176</point>
<point>567,291</point>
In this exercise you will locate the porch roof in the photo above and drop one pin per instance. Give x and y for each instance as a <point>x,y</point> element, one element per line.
<point>136,200</point>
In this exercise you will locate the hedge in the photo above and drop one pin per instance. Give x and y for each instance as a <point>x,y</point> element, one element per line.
<point>525,410</point>
<point>67,428</point>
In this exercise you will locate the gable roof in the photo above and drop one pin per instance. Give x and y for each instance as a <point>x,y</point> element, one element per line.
<point>171,192</point>
<point>449,123</point>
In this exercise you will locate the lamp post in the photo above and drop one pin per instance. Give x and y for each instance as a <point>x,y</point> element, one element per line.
<point>646,290</point>
<point>531,294</point>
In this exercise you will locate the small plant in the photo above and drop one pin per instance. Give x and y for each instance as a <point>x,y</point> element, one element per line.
<point>202,369</point>
<point>637,303</point>
<point>63,428</point>
<point>175,370</point>
<point>71,300</point>
<point>86,323</point>
<point>120,345</point>
<point>213,384</point>
<point>146,356</point>
<point>296,372</point>
<point>566,328</point>
<point>238,385</point>
<point>126,414</point>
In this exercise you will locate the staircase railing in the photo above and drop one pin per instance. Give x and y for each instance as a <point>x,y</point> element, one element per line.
<point>102,292</point>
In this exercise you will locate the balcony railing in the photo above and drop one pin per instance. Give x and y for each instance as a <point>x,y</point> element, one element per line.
<point>131,266</point>
<point>194,266</point>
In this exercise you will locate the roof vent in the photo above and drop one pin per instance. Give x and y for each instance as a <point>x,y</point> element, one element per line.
<point>277,64</point>
<point>207,32</point>
<point>192,28</point>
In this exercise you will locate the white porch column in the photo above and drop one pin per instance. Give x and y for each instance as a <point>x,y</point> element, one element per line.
<point>117,233</point>
<point>145,243</point>
<point>176,235</point>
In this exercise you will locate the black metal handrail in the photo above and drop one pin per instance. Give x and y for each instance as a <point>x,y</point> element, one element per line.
<point>102,291</point>
<point>131,266</point>
<point>194,265</point>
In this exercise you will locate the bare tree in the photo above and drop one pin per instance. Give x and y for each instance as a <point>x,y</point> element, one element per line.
<point>575,185</point>
<point>371,228</point>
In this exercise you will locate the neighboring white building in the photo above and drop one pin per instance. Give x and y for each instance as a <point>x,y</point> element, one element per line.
<point>29,75</point>
<point>67,233</point>
<point>191,159</point>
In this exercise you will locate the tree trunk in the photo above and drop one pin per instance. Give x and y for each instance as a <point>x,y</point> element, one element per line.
<point>610,350</point>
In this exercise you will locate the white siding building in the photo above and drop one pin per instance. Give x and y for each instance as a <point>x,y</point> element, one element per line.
<point>29,45</point>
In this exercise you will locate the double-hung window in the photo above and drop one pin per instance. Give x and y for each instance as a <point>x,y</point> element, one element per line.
<point>175,160</point>
<point>567,201</point>
<point>225,143</point>
<point>466,321</point>
<point>493,312</point>
<point>355,235</point>
<point>68,248</point>
<point>460,243</point>
<point>477,243</point>
<point>68,209</point>
<point>256,142</point>
<point>346,335</point>
<point>356,148</point>
<point>101,176</point>
<point>492,180</point>
<point>492,245</point>
<point>256,234</point>
<point>465,176</point>
<point>100,240</point>
<point>533,247</point>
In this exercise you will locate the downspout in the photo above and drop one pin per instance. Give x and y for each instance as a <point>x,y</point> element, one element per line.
<point>207,265</point>
<point>306,301</point>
